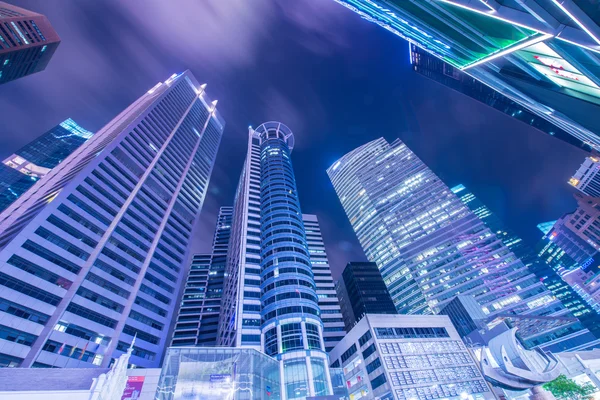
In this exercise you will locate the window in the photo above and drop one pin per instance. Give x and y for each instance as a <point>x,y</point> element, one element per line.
<point>369,350</point>
<point>348,353</point>
<point>131,331</point>
<point>364,338</point>
<point>23,312</point>
<point>91,315</point>
<point>313,337</point>
<point>380,380</point>
<point>98,299</point>
<point>271,342</point>
<point>250,339</point>
<point>372,366</point>
<point>14,335</point>
<point>291,336</point>
<point>28,289</point>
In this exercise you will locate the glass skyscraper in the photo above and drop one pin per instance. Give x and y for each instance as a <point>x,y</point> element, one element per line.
<point>27,42</point>
<point>430,247</point>
<point>329,304</point>
<point>198,317</point>
<point>543,55</point>
<point>270,296</point>
<point>27,165</point>
<point>548,273</point>
<point>362,291</point>
<point>96,254</point>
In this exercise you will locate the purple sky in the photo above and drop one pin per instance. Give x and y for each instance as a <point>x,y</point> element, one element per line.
<point>337,81</point>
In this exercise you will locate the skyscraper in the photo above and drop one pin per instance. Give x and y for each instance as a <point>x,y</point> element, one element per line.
<point>432,67</point>
<point>21,170</point>
<point>27,42</point>
<point>543,55</point>
<point>548,273</point>
<point>361,290</point>
<point>270,300</point>
<point>329,304</point>
<point>586,178</point>
<point>430,247</point>
<point>95,255</point>
<point>198,316</point>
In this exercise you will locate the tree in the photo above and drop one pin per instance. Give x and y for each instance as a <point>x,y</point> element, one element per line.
<point>564,388</point>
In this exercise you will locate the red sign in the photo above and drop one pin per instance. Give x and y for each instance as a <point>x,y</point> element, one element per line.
<point>133,389</point>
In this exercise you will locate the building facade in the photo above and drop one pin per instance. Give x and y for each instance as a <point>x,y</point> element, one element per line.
<point>549,273</point>
<point>198,317</point>
<point>434,68</point>
<point>543,55</point>
<point>403,357</point>
<point>329,304</point>
<point>270,301</point>
<point>27,42</point>
<point>361,290</point>
<point>430,247</point>
<point>33,161</point>
<point>95,255</point>
<point>586,178</point>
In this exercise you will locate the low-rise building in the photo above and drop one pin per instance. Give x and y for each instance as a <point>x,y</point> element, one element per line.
<point>408,357</point>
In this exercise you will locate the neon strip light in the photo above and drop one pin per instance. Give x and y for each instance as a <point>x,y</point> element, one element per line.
<point>493,16</point>
<point>487,5</point>
<point>578,22</point>
<point>510,50</point>
<point>578,44</point>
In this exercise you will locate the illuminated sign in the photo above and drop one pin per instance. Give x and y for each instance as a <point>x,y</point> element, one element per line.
<point>550,64</point>
<point>557,67</point>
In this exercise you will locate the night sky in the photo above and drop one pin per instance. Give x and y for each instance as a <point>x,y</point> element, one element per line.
<point>337,81</point>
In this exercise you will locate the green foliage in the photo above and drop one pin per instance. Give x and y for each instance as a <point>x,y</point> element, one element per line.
<point>564,388</point>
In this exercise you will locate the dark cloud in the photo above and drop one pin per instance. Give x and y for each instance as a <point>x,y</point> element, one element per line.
<point>335,79</point>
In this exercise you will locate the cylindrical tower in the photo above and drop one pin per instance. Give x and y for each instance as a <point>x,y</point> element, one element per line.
<point>292,330</point>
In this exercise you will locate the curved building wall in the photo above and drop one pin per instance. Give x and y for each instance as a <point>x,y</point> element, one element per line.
<point>291,325</point>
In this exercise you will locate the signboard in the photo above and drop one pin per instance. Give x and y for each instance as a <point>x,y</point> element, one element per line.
<point>133,388</point>
<point>549,63</point>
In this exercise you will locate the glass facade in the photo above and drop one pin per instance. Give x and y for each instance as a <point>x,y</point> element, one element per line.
<point>430,247</point>
<point>270,294</point>
<point>100,246</point>
<point>542,56</point>
<point>408,357</point>
<point>198,317</point>
<point>27,42</point>
<point>329,304</point>
<point>361,290</point>
<point>218,374</point>
<point>23,169</point>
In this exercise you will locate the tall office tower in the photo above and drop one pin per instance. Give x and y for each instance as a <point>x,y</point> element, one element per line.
<point>94,255</point>
<point>191,311</point>
<point>198,317</point>
<point>361,290</point>
<point>329,304</point>
<point>587,179</point>
<point>430,247</point>
<point>27,42</point>
<point>543,55</point>
<point>548,273</point>
<point>21,171</point>
<point>428,65</point>
<point>546,227</point>
<point>270,300</point>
